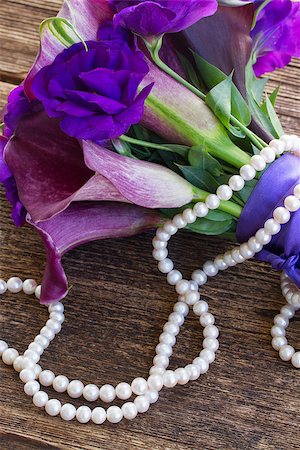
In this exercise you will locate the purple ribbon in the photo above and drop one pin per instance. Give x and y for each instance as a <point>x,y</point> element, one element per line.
<point>283,252</point>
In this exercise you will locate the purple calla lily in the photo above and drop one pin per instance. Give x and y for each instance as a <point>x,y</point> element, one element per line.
<point>80,223</point>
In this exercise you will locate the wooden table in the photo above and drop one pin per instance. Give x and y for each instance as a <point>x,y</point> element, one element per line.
<point>248,400</point>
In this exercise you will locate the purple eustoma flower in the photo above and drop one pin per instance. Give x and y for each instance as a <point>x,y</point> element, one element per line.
<point>154,18</point>
<point>276,35</point>
<point>94,91</point>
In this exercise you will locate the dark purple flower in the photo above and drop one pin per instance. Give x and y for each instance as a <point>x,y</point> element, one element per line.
<point>9,183</point>
<point>17,107</point>
<point>154,18</point>
<point>283,252</point>
<point>276,35</point>
<point>94,92</point>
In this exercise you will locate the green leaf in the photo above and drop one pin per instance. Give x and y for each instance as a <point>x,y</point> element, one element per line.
<point>245,193</point>
<point>212,76</point>
<point>199,178</point>
<point>219,100</point>
<point>211,228</point>
<point>274,118</point>
<point>62,30</point>
<point>200,158</point>
<point>274,94</point>
<point>257,88</point>
<point>182,150</point>
<point>189,70</point>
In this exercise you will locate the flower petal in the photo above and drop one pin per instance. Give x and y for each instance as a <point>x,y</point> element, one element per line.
<point>80,223</point>
<point>143,183</point>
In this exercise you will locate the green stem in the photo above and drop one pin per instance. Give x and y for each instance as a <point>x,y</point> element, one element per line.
<point>134,141</point>
<point>226,206</point>
<point>259,143</point>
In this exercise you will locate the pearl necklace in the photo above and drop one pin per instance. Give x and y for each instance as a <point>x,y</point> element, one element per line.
<point>147,391</point>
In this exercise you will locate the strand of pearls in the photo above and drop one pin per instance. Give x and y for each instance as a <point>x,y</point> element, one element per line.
<point>147,391</point>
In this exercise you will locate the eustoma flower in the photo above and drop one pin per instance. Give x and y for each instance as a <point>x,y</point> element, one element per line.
<point>156,17</point>
<point>276,35</point>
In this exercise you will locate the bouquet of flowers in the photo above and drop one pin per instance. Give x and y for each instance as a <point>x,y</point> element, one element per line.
<point>140,114</point>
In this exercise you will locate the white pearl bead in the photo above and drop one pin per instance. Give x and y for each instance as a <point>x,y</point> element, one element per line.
<point>167,338</point>
<point>15,285</point>
<point>200,209</point>
<point>91,392</point>
<point>287,311</point>
<point>161,361</point>
<point>59,317</point>
<point>189,216</point>
<point>123,391</point>
<point>83,414</point>
<point>28,363</point>
<point>18,364</point>
<point>210,269</point>
<point>296,191</point>
<point>3,347</point>
<point>292,203</point>
<point>152,396</point>
<point>37,370</point>
<point>38,292</point>
<point>278,146</point>
<point>236,183</point>
<point>281,215</point>
<point>258,162</point>
<point>202,364</point>
<point>157,370</point>
<point>32,355</point>
<point>169,378</point>
<point>40,399</point>
<point>139,386</point>
<point>164,349</point>
<point>46,377</point>
<point>129,410</point>
<point>37,348</point>
<point>9,355</point>
<point>166,265</point>
<point>192,297</point>
<point>98,415</point>
<point>56,307</point>
<point>220,263</point>
<point>177,318</point>
<point>200,307</point>
<point>142,403</point>
<point>182,375</point>
<point>278,342</point>
<point>107,393</point>
<point>211,331</point>
<point>224,192</point>
<point>212,201</point>
<point>281,321</point>
<point>68,412</point>
<point>247,172</point>
<point>296,360</point>
<point>181,308</point>
<point>60,383</point>
<point>245,251</point>
<point>171,328</point>
<point>236,255</point>
<point>254,245</point>
<point>155,383</point>
<point>170,228</point>
<point>31,388</point>
<point>286,352</point>
<point>211,343</point>
<point>27,375</point>
<point>29,287</point>
<point>157,244</point>
<point>277,331</point>
<point>173,277</point>
<point>199,276</point>
<point>228,259</point>
<point>179,222</point>
<point>53,325</point>
<point>49,334</point>
<point>262,237</point>
<point>3,286</point>
<point>295,300</point>
<point>182,286</point>
<point>162,235</point>
<point>75,388</point>
<point>272,227</point>
<point>268,154</point>
<point>206,319</point>
<point>289,141</point>
<point>114,414</point>
<point>53,407</point>
<point>208,355</point>
<point>193,371</point>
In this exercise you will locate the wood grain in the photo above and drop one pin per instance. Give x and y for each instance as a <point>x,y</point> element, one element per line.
<point>115,311</point>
